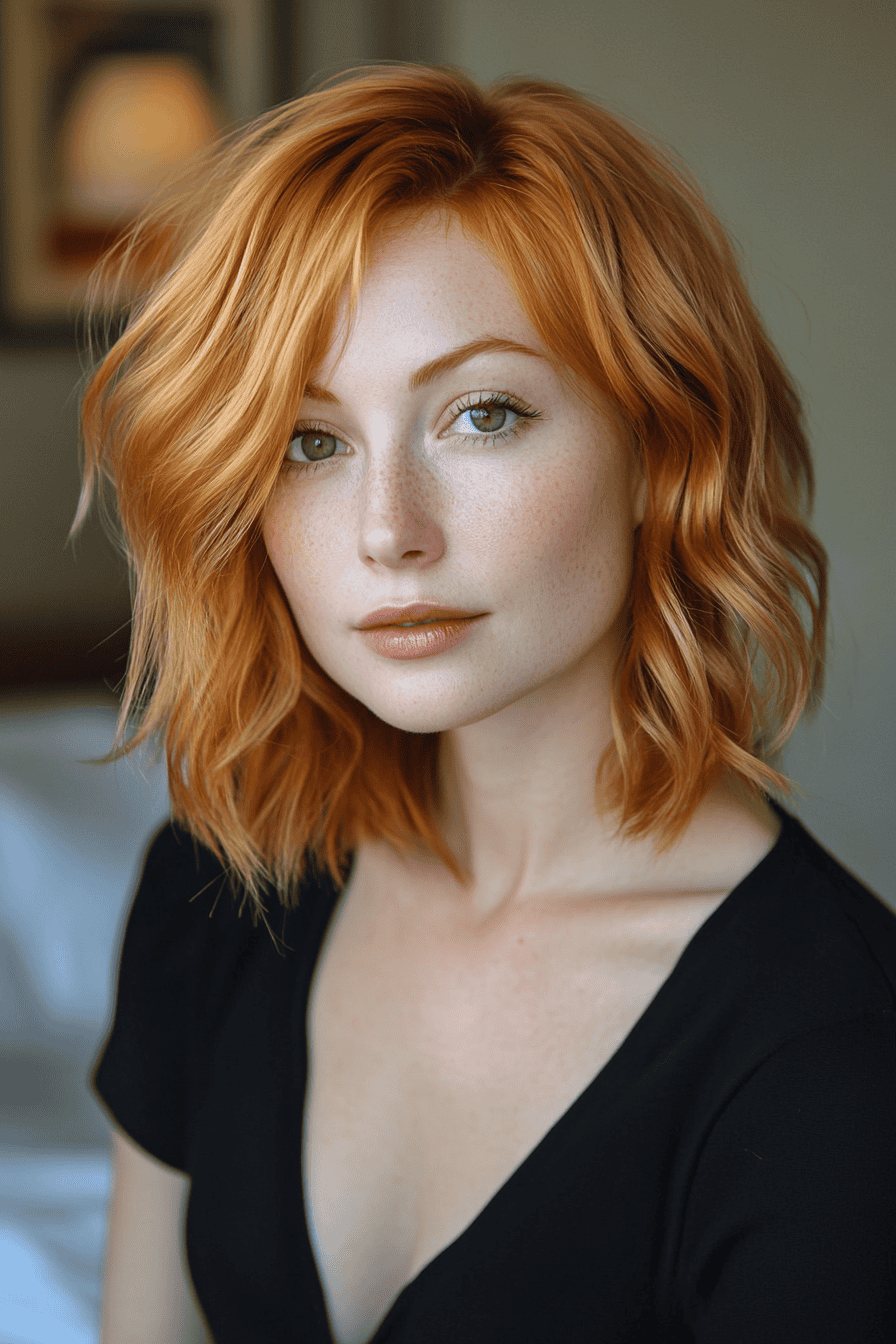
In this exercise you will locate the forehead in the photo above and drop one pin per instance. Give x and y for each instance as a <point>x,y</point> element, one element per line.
<point>427,286</point>
<point>436,243</point>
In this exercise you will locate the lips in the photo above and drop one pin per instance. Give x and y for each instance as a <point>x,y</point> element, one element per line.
<point>417,613</point>
<point>419,639</point>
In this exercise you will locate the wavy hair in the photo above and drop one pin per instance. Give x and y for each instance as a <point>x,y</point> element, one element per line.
<point>233,284</point>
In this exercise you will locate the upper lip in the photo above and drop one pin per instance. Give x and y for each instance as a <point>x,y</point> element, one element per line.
<point>417,611</point>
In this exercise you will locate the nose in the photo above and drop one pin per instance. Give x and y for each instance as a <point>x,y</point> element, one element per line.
<point>397,522</point>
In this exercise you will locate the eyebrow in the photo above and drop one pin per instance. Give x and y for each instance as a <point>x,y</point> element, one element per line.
<point>428,373</point>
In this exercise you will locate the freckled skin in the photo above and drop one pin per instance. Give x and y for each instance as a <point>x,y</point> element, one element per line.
<point>537,530</point>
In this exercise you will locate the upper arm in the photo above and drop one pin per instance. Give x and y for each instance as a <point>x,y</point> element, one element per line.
<point>147,1294</point>
<point>791,1226</point>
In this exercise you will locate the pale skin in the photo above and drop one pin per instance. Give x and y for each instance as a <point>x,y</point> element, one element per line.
<point>537,529</point>
<point>434,1006</point>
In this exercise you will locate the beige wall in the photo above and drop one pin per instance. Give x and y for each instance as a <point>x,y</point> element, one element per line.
<point>784,109</point>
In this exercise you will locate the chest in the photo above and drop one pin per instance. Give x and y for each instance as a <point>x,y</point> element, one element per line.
<point>438,1061</point>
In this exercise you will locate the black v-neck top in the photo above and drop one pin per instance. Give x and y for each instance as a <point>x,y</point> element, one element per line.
<point>728,1176</point>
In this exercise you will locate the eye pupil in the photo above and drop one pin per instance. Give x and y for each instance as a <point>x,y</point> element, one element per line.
<point>317,446</point>
<point>489,418</point>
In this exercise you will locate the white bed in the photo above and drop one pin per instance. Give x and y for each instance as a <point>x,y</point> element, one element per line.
<point>71,836</point>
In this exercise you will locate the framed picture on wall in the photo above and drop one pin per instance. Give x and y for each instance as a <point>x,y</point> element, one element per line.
<point>100,101</point>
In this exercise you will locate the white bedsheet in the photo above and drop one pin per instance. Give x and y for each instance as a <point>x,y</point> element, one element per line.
<point>71,838</point>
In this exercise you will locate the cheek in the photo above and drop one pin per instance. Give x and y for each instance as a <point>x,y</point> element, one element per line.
<point>581,540</point>
<point>287,540</point>
<point>277,536</point>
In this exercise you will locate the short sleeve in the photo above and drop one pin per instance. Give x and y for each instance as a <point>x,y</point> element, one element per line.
<point>145,1067</point>
<point>790,1230</point>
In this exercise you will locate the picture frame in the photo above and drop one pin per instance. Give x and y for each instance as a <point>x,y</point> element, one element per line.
<point>85,90</point>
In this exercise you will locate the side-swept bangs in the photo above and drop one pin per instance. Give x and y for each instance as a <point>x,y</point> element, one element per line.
<point>234,286</point>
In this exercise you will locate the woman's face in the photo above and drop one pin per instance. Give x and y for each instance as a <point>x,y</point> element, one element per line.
<point>524,509</point>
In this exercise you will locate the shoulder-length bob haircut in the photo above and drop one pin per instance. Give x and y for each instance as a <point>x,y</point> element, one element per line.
<point>631,283</point>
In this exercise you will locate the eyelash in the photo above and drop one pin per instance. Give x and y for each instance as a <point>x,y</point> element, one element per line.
<point>476,401</point>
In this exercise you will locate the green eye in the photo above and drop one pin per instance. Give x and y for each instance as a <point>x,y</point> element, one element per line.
<point>312,445</point>
<point>492,416</point>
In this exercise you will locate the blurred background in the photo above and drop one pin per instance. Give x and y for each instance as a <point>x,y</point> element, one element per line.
<point>782,108</point>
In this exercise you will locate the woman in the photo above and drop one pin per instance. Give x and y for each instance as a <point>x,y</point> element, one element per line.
<point>466,501</point>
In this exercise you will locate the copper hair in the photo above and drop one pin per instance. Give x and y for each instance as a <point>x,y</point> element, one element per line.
<point>233,284</point>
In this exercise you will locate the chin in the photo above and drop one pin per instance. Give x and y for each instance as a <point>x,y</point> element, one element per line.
<point>415,718</point>
<point>437,712</point>
<point>415,723</point>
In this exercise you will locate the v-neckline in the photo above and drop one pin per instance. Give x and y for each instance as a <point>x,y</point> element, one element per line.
<point>552,1136</point>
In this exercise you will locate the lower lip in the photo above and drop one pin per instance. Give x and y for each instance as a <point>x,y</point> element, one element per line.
<point>420,641</point>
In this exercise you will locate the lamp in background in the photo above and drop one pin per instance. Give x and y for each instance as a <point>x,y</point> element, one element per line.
<point>132,119</point>
<point>100,102</point>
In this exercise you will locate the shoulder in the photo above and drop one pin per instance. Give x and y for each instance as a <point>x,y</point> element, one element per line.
<point>189,927</point>
<point>800,946</point>
<point>846,919</point>
<point>183,880</point>
<point>793,1191</point>
<point>176,863</point>
<point>181,884</point>
<point>795,1138</point>
<point>821,869</point>
<point>167,922</point>
<point>189,902</point>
